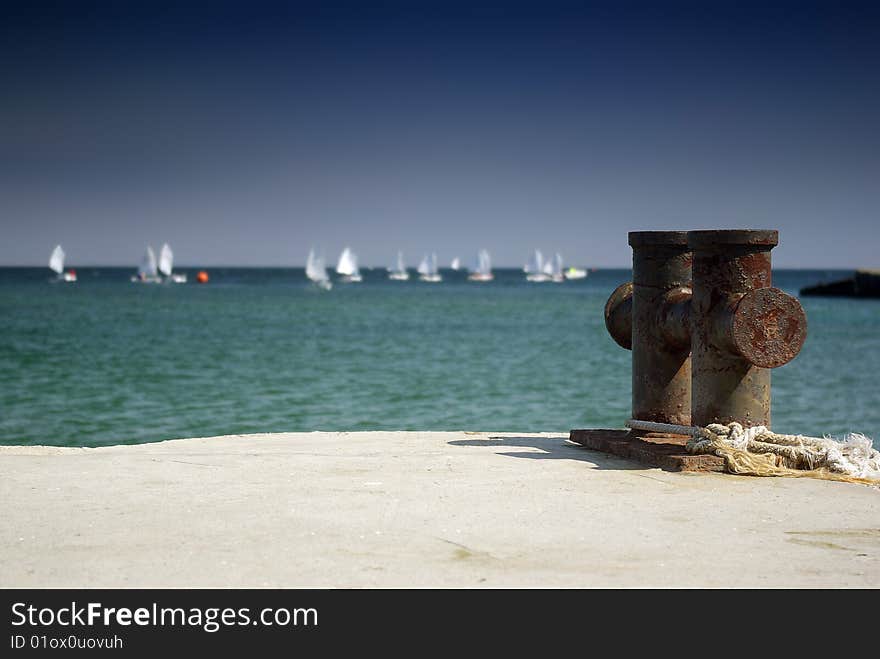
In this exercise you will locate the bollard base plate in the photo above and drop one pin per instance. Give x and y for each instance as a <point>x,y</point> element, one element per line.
<point>657,450</point>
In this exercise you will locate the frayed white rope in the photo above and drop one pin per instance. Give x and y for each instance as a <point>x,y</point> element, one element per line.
<point>853,456</point>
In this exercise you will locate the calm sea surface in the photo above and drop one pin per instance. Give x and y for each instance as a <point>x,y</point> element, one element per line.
<point>106,361</point>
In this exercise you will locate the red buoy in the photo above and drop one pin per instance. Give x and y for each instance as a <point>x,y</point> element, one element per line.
<point>202,277</point>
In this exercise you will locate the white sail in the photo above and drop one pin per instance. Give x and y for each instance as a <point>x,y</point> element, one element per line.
<point>484,263</point>
<point>148,264</point>
<point>398,271</point>
<point>56,261</point>
<point>482,271</point>
<point>424,267</point>
<point>317,271</point>
<point>347,264</point>
<point>428,269</point>
<point>556,268</point>
<point>536,263</point>
<point>539,269</point>
<point>311,269</point>
<point>456,263</point>
<point>166,260</point>
<point>315,268</point>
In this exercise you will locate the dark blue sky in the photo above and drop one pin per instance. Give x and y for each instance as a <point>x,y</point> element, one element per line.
<point>244,133</point>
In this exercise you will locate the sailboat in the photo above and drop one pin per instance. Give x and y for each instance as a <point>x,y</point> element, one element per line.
<point>347,267</point>
<point>166,265</point>
<point>398,272</point>
<point>483,270</point>
<point>148,272</point>
<point>56,264</point>
<point>428,269</point>
<point>456,264</point>
<point>317,272</point>
<point>535,268</point>
<point>555,269</point>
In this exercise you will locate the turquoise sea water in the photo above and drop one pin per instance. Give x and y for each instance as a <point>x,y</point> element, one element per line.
<point>106,361</point>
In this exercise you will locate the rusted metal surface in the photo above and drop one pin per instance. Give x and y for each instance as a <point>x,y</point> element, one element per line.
<point>673,318</point>
<point>768,327</point>
<point>661,373</point>
<point>704,325</point>
<point>722,239</point>
<point>618,315</point>
<point>665,451</point>
<point>740,326</point>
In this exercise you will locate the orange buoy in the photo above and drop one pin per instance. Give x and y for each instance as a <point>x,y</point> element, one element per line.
<point>202,277</point>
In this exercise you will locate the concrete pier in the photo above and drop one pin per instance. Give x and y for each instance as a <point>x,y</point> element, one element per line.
<point>423,509</point>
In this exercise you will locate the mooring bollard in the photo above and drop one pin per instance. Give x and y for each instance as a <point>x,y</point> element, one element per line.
<point>705,326</point>
<point>740,326</point>
<point>650,316</point>
<point>702,351</point>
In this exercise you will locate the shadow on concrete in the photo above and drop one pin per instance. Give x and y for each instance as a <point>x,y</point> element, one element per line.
<point>553,448</point>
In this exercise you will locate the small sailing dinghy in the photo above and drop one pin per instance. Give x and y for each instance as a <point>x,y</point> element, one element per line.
<point>316,271</point>
<point>148,272</point>
<point>456,264</point>
<point>398,272</point>
<point>166,265</point>
<point>555,269</point>
<point>347,267</point>
<point>428,269</point>
<point>534,269</point>
<point>56,265</point>
<point>483,269</point>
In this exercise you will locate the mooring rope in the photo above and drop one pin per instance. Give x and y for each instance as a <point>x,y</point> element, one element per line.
<point>758,451</point>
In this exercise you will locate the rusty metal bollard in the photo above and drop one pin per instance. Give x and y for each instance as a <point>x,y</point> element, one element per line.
<point>702,354</point>
<point>740,326</point>
<point>650,316</point>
